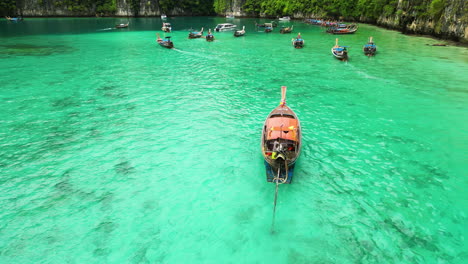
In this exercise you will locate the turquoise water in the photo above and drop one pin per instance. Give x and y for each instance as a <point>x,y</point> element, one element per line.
<point>115,150</point>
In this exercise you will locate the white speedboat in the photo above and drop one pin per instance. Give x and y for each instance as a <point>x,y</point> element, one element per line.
<point>286,18</point>
<point>163,16</point>
<point>225,27</point>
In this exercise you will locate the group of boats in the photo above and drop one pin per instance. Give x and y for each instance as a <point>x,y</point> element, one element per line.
<point>334,27</point>
<point>341,52</point>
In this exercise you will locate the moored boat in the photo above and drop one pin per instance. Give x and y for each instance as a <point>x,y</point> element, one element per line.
<point>166,27</point>
<point>285,18</point>
<point>14,19</point>
<point>166,42</point>
<point>340,52</point>
<point>239,33</point>
<point>298,42</point>
<point>341,29</point>
<point>271,24</point>
<point>281,142</point>
<point>195,34</point>
<point>370,48</point>
<point>285,30</point>
<point>122,25</point>
<point>225,27</point>
<point>209,37</point>
<point>230,16</point>
<point>163,17</point>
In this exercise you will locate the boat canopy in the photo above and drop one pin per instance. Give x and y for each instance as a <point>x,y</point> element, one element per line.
<point>282,127</point>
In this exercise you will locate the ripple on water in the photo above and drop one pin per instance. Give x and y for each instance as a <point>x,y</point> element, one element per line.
<point>33,50</point>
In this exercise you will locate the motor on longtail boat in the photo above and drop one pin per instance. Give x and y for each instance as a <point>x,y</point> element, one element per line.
<point>281,142</point>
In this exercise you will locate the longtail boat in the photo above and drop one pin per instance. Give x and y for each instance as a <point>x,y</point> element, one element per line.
<point>285,30</point>
<point>370,48</point>
<point>298,42</point>
<point>195,34</point>
<point>340,30</point>
<point>166,27</point>
<point>209,37</point>
<point>166,42</point>
<point>239,33</point>
<point>122,25</point>
<point>281,142</point>
<point>340,52</point>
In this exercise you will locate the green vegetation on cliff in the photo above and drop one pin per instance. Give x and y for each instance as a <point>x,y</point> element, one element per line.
<point>349,9</point>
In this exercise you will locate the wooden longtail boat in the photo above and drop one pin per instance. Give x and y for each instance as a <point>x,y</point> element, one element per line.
<point>285,30</point>
<point>281,142</point>
<point>298,42</point>
<point>209,37</point>
<point>370,48</point>
<point>195,34</point>
<point>340,30</point>
<point>166,27</point>
<point>239,33</point>
<point>122,25</point>
<point>166,42</point>
<point>340,52</point>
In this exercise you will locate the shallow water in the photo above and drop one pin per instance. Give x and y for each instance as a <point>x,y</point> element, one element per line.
<point>114,149</point>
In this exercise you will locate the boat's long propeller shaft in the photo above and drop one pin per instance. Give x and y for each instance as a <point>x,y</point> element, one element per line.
<point>274,203</point>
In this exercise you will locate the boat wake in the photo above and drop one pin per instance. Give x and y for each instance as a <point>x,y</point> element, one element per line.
<point>362,73</point>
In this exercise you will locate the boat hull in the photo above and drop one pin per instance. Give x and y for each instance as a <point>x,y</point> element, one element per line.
<point>370,51</point>
<point>281,143</point>
<point>341,55</point>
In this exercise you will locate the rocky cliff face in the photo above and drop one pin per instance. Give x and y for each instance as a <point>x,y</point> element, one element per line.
<point>450,22</point>
<point>90,8</point>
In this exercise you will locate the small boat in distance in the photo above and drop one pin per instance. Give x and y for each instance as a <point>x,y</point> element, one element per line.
<point>370,48</point>
<point>163,16</point>
<point>230,16</point>
<point>166,42</point>
<point>122,25</point>
<point>225,27</point>
<point>340,52</point>
<point>281,142</point>
<point>343,29</point>
<point>239,33</point>
<point>285,30</point>
<point>195,34</point>
<point>298,42</point>
<point>14,19</point>
<point>285,18</point>
<point>271,24</point>
<point>209,37</point>
<point>166,27</point>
